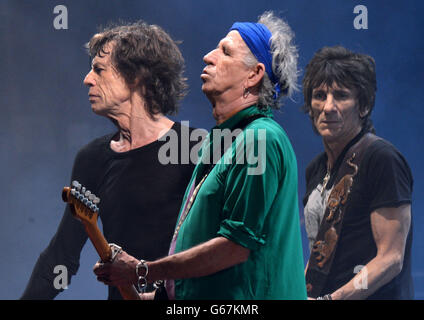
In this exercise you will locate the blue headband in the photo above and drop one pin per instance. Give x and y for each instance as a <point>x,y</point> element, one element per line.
<point>258,38</point>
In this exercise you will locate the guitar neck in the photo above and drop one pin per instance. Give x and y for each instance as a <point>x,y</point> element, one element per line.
<point>99,242</point>
<point>88,216</point>
<point>105,252</point>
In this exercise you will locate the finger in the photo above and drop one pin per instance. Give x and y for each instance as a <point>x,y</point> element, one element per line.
<point>102,265</point>
<point>102,268</point>
<point>97,268</point>
<point>104,280</point>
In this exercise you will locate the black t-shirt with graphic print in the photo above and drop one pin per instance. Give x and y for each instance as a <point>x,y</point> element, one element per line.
<point>384,180</point>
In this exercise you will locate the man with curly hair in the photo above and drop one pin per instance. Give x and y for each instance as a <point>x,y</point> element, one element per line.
<point>135,81</point>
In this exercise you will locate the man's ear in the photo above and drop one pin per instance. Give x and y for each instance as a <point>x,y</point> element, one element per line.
<point>255,75</point>
<point>137,86</point>
<point>363,113</point>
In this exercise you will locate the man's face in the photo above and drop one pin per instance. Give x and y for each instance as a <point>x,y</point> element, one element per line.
<point>335,112</point>
<point>226,72</point>
<point>107,88</point>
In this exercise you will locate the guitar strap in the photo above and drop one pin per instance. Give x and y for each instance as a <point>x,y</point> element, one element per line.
<point>325,245</point>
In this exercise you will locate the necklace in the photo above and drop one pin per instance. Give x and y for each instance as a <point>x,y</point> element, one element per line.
<point>187,209</point>
<point>326,179</point>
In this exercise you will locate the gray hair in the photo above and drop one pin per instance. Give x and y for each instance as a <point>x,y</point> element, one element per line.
<point>284,62</point>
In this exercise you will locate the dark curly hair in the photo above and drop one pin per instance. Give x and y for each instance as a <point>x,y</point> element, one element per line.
<point>146,56</point>
<point>351,70</point>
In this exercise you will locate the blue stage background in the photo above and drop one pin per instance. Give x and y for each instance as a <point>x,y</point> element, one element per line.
<point>46,116</point>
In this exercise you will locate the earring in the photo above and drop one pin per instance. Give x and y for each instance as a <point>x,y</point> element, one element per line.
<point>246,93</point>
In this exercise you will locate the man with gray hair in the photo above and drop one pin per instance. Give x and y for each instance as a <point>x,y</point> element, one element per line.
<point>238,232</point>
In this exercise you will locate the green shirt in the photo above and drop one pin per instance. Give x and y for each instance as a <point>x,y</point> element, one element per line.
<point>252,204</point>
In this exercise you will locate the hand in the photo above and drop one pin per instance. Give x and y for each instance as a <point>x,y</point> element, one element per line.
<point>147,296</point>
<point>119,272</point>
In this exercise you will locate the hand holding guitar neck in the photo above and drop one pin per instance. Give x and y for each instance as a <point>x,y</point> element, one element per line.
<point>84,207</point>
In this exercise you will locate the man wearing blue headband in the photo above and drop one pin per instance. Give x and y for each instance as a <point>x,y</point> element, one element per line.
<point>238,232</point>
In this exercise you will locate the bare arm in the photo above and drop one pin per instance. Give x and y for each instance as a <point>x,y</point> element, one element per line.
<point>207,258</point>
<point>210,257</point>
<point>390,228</point>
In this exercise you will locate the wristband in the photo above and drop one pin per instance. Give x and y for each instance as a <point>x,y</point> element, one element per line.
<point>142,279</point>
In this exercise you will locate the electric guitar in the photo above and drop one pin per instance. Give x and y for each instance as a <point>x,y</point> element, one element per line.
<point>84,207</point>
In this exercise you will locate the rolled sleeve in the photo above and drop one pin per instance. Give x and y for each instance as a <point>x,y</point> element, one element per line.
<point>238,232</point>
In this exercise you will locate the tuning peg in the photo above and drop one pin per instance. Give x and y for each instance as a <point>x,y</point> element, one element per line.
<point>78,186</point>
<point>87,193</point>
<point>83,189</point>
<point>96,200</point>
<point>91,197</point>
<point>75,184</point>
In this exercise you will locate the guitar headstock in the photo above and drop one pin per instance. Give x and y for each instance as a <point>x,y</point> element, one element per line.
<point>83,203</point>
